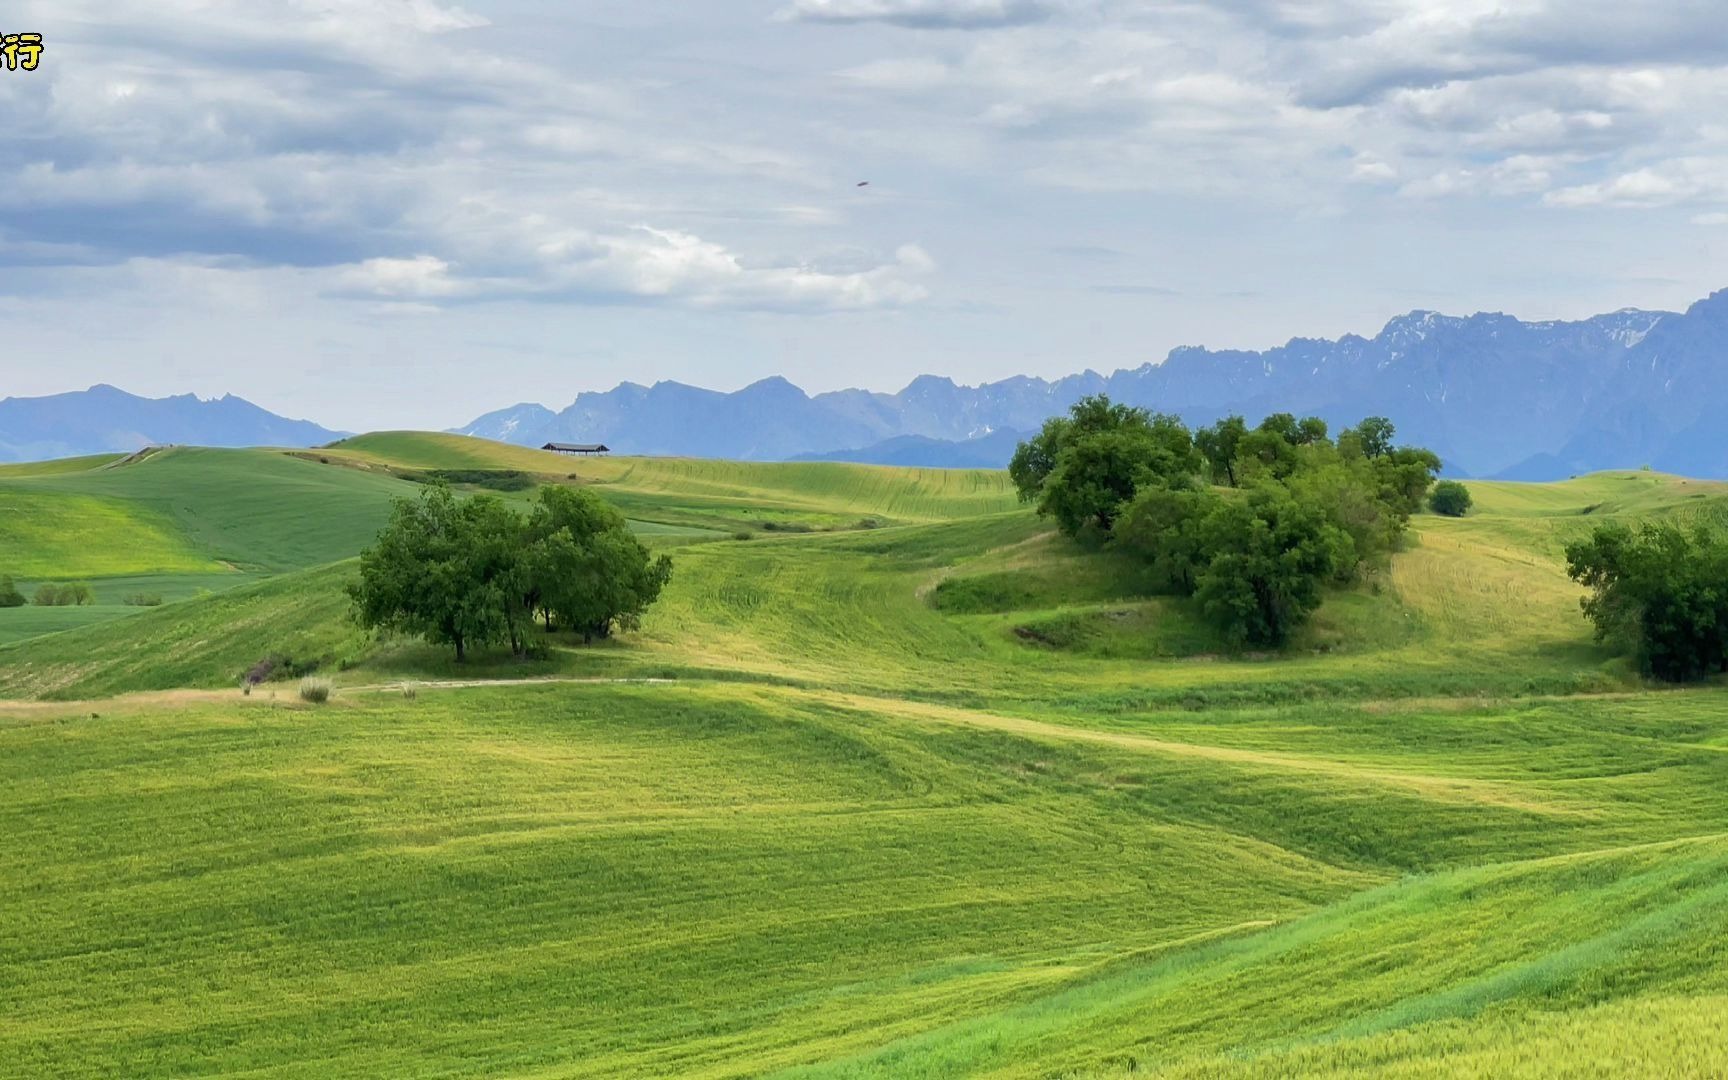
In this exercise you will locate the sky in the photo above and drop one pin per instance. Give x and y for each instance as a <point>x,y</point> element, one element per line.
<point>404,213</point>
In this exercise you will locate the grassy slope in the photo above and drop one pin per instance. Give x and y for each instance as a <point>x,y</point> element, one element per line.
<point>258,510</point>
<point>46,533</point>
<point>175,525</point>
<point>724,881</point>
<point>934,847</point>
<point>682,488</point>
<point>1475,605</point>
<point>60,467</point>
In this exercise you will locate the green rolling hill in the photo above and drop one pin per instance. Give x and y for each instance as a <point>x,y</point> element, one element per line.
<point>903,786</point>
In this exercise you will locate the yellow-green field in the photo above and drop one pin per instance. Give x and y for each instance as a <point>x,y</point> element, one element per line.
<point>924,791</point>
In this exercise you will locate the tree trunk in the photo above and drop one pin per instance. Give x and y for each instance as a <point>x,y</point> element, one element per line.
<point>461,650</point>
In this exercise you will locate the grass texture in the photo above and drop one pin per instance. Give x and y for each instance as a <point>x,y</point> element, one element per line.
<point>941,797</point>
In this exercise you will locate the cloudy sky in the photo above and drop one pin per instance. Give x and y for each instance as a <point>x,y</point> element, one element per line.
<point>406,212</point>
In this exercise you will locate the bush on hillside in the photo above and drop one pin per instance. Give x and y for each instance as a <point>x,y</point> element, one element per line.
<point>1660,593</point>
<point>143,600</point>
<point>314,690</point>
<point>280,666</point>
<point>509,480</point>
<point>1450,499</point>
<point>475,572</point>
<point>74,594</point>
<point>1297,509</point>
<point>9,595</point>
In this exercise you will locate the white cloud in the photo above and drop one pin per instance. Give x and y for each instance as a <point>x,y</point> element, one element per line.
<point>644,264</point>
<point>928,14</point>
<point>1681,180</point>
<point>423,277</point>
<point>1370,170</point>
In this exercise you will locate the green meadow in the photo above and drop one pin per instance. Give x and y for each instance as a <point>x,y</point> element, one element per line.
<point>893,782</point>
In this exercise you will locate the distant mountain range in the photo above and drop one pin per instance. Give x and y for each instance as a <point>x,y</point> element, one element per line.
<point>1493,395</point>
<point>103,420</point>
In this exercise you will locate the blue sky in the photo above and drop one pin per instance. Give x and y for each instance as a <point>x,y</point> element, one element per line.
<point>407,212</point>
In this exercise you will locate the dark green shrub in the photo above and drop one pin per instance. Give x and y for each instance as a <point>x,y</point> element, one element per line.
<point>1450,499</point>
<point>9,594</point>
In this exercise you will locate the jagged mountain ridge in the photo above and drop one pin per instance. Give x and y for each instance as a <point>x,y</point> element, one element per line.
<point>1494,395</point>
<point>104,419</point>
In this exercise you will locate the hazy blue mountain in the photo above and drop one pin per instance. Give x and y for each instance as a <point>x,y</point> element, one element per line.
<point>103,419</point>
<point>1491,393</point>
<point>506,425</point>
<point>990,451</point>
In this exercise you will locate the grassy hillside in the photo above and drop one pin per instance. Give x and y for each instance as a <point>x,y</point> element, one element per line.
<point>61,467</point>
<point>997,610</point>
<point>947,796</point>
<point>596,880</point>
<point>49,533</point>
<point>255,509</point>
<point>822,493</point>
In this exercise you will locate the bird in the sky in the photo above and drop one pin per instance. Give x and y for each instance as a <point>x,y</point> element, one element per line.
<point>863,183</point>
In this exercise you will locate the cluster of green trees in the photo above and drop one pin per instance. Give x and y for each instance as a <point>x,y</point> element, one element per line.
<point>1252,522</point>
<point>1660,592</point>
<point>68,594</point>
<point>476,572</point>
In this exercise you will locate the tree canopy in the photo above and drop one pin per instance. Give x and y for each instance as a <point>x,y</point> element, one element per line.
<point>475,572</point>
<point>1296,510</point>
<point>1450,498</point>
<point>1081,468</point>
<point>1660,592</point>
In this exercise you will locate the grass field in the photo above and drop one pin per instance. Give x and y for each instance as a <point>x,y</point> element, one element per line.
<point>941,797</point>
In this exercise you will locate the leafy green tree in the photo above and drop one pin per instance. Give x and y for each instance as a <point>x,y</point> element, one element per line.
<point>1311,431</point>
<point>1266,453</point>
<point>1095,475</point>
<point>1166,527</point>
<point>1347,490</point>
<point>47,595</point>
<point>446,570</point>
<point>586,569</point>
<point>1660,592</point>
<point>10,597</point>
<point>1081,469</point>
<point>1450,498</point>
<point>1221,444</point>
<point>1034,459</point>
<point>1405,474</point>
<point>497,570</point>
<point>1270,559</point>
<point>1374,436</point>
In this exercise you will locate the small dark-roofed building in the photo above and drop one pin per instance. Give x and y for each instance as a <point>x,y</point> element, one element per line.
<point>577,448</point>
